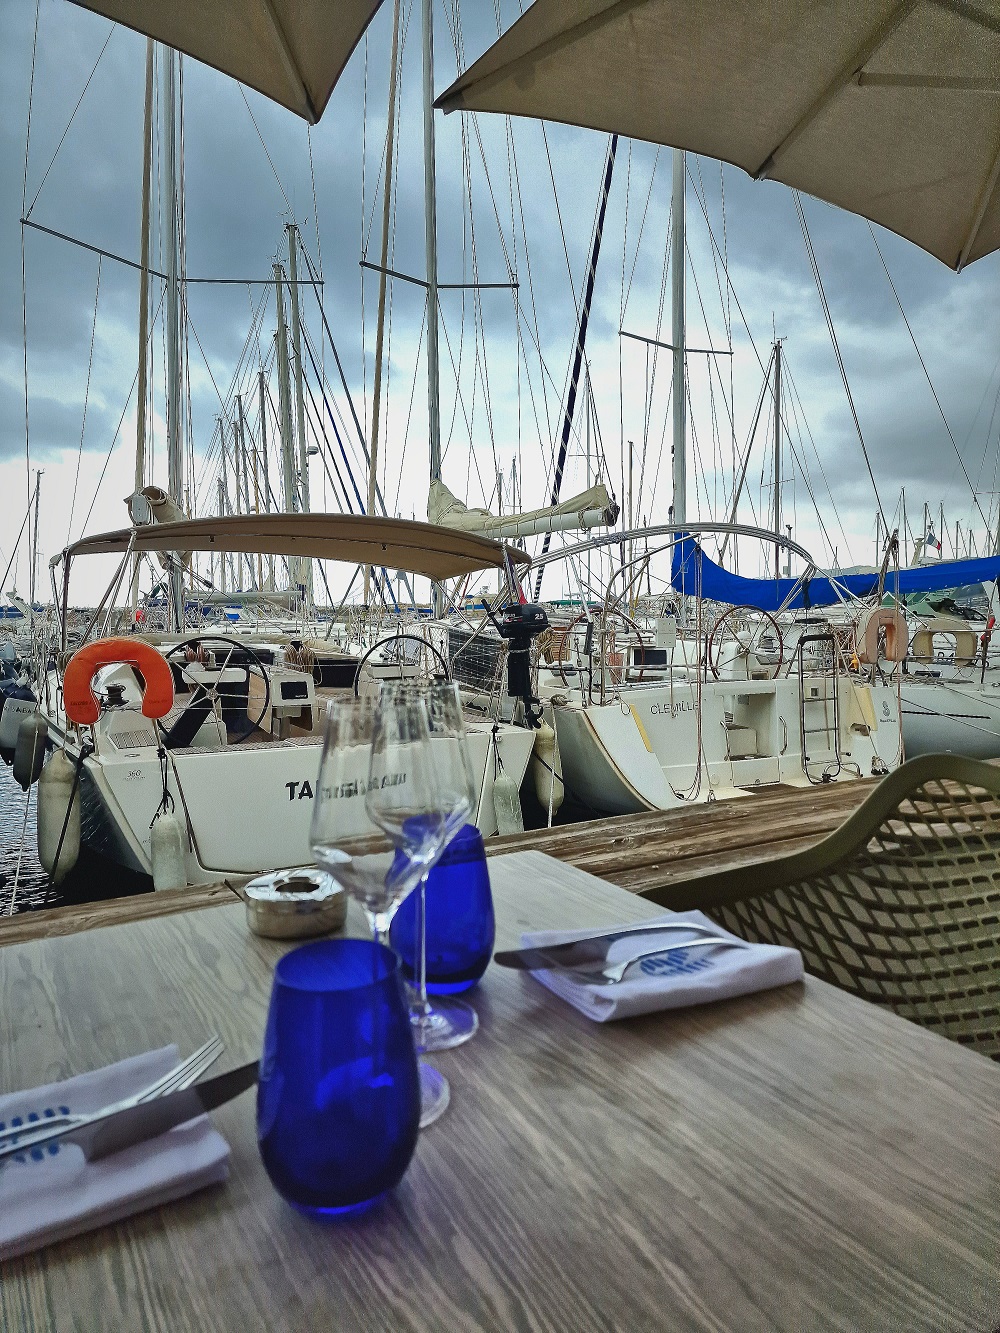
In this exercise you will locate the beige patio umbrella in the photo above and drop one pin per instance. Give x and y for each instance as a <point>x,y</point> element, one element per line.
<point>888,108</point>
<point>293,51</point>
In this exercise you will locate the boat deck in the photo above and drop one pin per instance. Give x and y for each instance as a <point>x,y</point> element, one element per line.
<point>638,852</point>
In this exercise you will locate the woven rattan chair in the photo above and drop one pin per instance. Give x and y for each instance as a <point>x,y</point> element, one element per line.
<point>900,905</point>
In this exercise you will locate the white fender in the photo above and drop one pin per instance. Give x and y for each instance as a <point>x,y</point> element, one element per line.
<point>29,752</point>
<point>56,795</point>
<point>166,847</point>
<point>546,768</point>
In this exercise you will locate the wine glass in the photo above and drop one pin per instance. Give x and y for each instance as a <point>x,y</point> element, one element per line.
<point>441,1023</point>
<point>338,1102</point>
<point>404,800</point>
<point>339,819</point>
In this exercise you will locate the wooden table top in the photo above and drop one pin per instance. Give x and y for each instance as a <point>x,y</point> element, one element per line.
<point>794,1160</point>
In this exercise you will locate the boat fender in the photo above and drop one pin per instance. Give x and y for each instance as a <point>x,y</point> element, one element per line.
<point>507,804</point>
<point>29,752</point>
<point>546,768</point>
<point>19,703</point>
<point>58,808</point>
<point>166,847</point>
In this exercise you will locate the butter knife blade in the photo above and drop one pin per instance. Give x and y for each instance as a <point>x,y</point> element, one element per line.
<point>106,1134</point>
<point>594,949</point>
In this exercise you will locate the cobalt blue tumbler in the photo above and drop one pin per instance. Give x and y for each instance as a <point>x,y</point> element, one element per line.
<point>338,1103</point>
<point>460,924</point>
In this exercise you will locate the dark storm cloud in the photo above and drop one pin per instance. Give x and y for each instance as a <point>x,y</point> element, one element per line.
<point>236,212</point>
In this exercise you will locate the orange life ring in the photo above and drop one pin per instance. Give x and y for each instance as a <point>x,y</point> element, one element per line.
<point>866,642</point>
<point>81,702</point>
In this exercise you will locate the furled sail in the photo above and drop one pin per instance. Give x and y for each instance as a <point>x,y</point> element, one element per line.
<point>693,572</point>
<point>590,509</point>
<point>154,505</point>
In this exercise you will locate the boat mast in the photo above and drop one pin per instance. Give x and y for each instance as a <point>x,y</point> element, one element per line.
<point>33,572</point>
<point>285,409</point>
<point>777,455</point>
<point>262,391</point>
<point>175,423</point>
<point>140,418</point>
<point>430,247</point>
<point>677,267</point>
<point>390,134</point>
<point>300,410</point>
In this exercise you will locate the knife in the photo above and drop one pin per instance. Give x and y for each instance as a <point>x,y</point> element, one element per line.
<point>593,950</point>
<point>104,1134</point>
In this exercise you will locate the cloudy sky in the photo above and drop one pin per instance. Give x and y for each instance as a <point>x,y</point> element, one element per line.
<point>245,180</point>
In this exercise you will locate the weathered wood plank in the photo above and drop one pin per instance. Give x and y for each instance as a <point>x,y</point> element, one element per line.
<point>647,851</point>
<point>638,852</point>
<point>52,921</point>
<point>791,1160</point>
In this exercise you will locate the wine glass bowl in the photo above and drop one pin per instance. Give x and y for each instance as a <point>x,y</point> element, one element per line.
<point>459,918</point>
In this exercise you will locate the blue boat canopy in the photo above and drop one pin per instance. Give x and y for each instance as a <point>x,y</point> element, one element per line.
<point>695,573</point>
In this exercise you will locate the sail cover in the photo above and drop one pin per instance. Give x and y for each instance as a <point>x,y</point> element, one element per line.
<point>591,509</point>
<point>292,51</point>
<point>693,572</point>
<point>888,108</point>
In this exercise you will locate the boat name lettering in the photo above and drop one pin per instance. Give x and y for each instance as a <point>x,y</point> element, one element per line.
<point>671,710</point>
<point>346,790</point>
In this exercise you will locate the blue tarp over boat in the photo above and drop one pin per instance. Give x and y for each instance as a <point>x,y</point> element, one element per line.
<point>695,573</point>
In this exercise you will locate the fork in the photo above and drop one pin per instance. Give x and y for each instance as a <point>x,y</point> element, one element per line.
<point>615,972</point>
<point>178,1078</point>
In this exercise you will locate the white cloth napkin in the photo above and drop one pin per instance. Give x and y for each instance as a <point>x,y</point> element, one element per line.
<point>695,976</point>
<point>42,1201</point>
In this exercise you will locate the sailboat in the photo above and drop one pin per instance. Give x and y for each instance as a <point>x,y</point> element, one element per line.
<point>233,759</point>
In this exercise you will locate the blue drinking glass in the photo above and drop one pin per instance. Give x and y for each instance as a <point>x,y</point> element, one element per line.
<point>338,1103</point>
<point>460,923</point>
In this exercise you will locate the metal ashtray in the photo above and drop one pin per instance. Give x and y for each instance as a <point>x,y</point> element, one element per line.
<point>294,904</point>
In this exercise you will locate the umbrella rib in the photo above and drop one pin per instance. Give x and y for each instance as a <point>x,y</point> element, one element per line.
<point>850,68</point>
<point>291,68</point>
<point>974,13</point>
<point>989,189</point>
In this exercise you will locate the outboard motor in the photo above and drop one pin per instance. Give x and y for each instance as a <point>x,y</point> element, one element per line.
<point>522,622</point>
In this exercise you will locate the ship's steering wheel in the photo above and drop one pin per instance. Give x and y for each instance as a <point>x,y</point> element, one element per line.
<point>725,622</point>
<point>205,695</point>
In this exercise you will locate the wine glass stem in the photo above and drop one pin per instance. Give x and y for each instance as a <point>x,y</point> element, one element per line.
<point>380,923</point>
<point>422,1007</point>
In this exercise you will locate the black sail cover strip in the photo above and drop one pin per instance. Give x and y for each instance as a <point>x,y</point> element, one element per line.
<point>581,342</point>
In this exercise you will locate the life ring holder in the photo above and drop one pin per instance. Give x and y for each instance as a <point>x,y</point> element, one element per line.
<point>868,632</point>
<point>82,704</point>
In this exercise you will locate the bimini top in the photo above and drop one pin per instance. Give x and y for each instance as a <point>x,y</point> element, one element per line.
<point>390,543</point>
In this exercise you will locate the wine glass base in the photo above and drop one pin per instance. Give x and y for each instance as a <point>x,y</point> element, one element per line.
<point>332,1214</point>
<point>445,1022</point>
<point>435,1094</point>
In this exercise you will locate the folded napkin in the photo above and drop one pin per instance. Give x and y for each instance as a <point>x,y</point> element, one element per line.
<point>58,1193</point>
<point>673,980</point>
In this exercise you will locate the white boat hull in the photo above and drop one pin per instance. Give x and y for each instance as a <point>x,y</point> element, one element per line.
<point>643,750</point>
<point>960,717</point>
<point>247,808</point>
